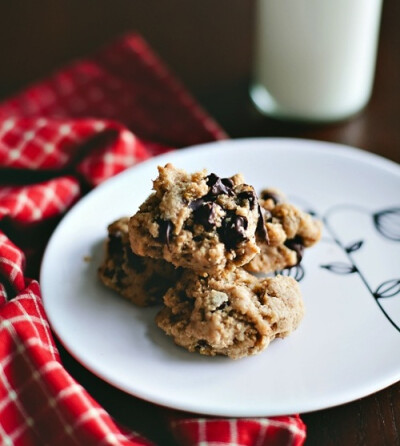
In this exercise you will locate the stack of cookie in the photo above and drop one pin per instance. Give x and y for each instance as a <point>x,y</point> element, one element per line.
<point>194,245</point>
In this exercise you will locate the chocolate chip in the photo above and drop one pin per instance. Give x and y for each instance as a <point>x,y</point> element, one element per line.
<point>268,195</point>
<point>165,231</point>
<point>212,179</point>
<point>114,244</point>
<point>232,230</point>
<point>120,277</point>
<point>109,273</point>
<point>184,298</point>
<point>296,244</point>
<point>205,215</point>
<point>261,230</point>
<point>201,344</point>
<point>195,204</point>
<point>134,261</point>
<point>219,185</point>
<point>227,182</point>
<point>250,196</point>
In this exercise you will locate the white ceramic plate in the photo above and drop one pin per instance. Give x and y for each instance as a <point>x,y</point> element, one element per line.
<point>349,341</point>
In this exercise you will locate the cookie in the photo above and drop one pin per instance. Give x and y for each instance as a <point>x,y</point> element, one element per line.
<point>289,230</point>
<point>198,221</point>
<point>141,280</point>
<point>235,314</point>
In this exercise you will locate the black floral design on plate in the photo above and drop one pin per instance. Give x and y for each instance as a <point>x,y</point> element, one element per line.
<point>340,268</point>
<point>387,223</point>
<point>297,272</point>
<point>354,246</point>
<point>390,288</point>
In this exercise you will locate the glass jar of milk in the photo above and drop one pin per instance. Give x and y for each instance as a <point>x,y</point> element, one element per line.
<point>314,59</point>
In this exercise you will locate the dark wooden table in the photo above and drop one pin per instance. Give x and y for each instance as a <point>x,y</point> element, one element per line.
<point>214,61</point>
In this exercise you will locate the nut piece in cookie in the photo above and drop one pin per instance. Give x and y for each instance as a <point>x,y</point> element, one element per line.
<point>289,230</point>
<point>197,221</point>
<point>141,280</point>
<point>235,314</point>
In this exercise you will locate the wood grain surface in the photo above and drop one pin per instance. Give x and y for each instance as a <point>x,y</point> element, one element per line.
<point>208,44</point>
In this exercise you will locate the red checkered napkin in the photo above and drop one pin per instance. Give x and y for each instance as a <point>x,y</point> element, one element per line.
<point>58,139</point>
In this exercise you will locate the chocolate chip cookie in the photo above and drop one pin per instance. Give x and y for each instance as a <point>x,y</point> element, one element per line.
<point>234,314</point>
<point>198,221</point>
<point>141,280</point>
<point>289,231</point>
